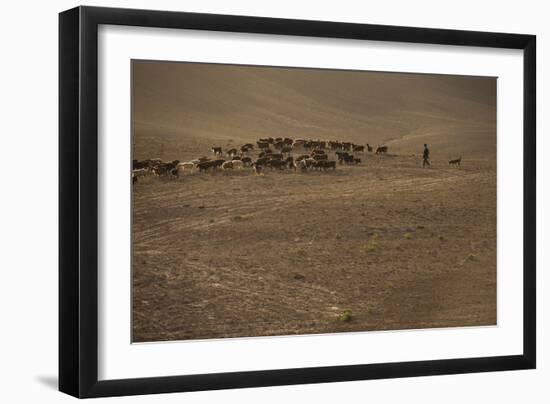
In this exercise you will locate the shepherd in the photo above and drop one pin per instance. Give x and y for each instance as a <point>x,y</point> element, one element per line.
<point>426,156</point>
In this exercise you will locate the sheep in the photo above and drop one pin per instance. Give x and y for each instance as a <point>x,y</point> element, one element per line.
<point>237,164</point>
<point>381,150</point>
<point>263,145</point>
<point>300,164</point>
<point>207,165</point>
<point>279,144</point>
<point>182,168</point>
<point>286,150</point>
<point>279,164</point>
<point>232,152</point>
<point>140,172</point>
<point>319,157</point>
<point>309,162</point>
<point>258,169</point>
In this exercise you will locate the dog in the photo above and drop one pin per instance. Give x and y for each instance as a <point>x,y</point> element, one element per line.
<point>455,162</point>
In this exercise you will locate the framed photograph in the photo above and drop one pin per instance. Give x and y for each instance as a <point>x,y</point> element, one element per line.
<point>251,201</point>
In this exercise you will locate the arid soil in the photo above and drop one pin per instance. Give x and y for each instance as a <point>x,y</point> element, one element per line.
<point>383,245</point>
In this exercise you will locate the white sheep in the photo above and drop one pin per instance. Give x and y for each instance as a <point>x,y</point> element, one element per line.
<point>228,165</point>
<point>188,166</point>
<point>237,164</point>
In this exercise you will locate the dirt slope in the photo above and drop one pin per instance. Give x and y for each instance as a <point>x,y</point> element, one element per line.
<point>179,104</point>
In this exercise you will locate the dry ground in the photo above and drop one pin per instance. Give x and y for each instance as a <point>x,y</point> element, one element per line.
<point>393,245</point>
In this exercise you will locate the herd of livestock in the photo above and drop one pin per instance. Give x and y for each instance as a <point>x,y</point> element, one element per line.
<point>271,153</point>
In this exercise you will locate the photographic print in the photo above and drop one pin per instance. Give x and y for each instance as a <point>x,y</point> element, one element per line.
<point>272,201</point>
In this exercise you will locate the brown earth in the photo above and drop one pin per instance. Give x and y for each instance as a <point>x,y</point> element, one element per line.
<point>235,254</point>
<point>383,245</point>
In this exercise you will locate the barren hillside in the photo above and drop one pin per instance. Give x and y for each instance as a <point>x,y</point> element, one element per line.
<point>179,105</point>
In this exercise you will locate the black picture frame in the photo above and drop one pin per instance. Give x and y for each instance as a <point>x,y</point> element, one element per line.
<point>78,201</point>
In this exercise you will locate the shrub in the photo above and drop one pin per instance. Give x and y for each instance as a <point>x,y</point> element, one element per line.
<point>471,257</point>
<point>370,247</point>
<point>345,316</point>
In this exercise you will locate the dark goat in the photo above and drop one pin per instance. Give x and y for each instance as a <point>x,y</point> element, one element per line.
<point>381,149</point>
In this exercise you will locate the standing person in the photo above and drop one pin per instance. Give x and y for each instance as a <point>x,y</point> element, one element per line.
<point>426,156</point>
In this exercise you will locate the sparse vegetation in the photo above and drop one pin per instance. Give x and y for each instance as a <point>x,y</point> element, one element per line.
<point>299,251</point>
<point>238,218</point>
<point>345,316</point>
<point>471,257</point>
<point>372,245</point>
<point>371,309</point>
<point>408,236</point>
